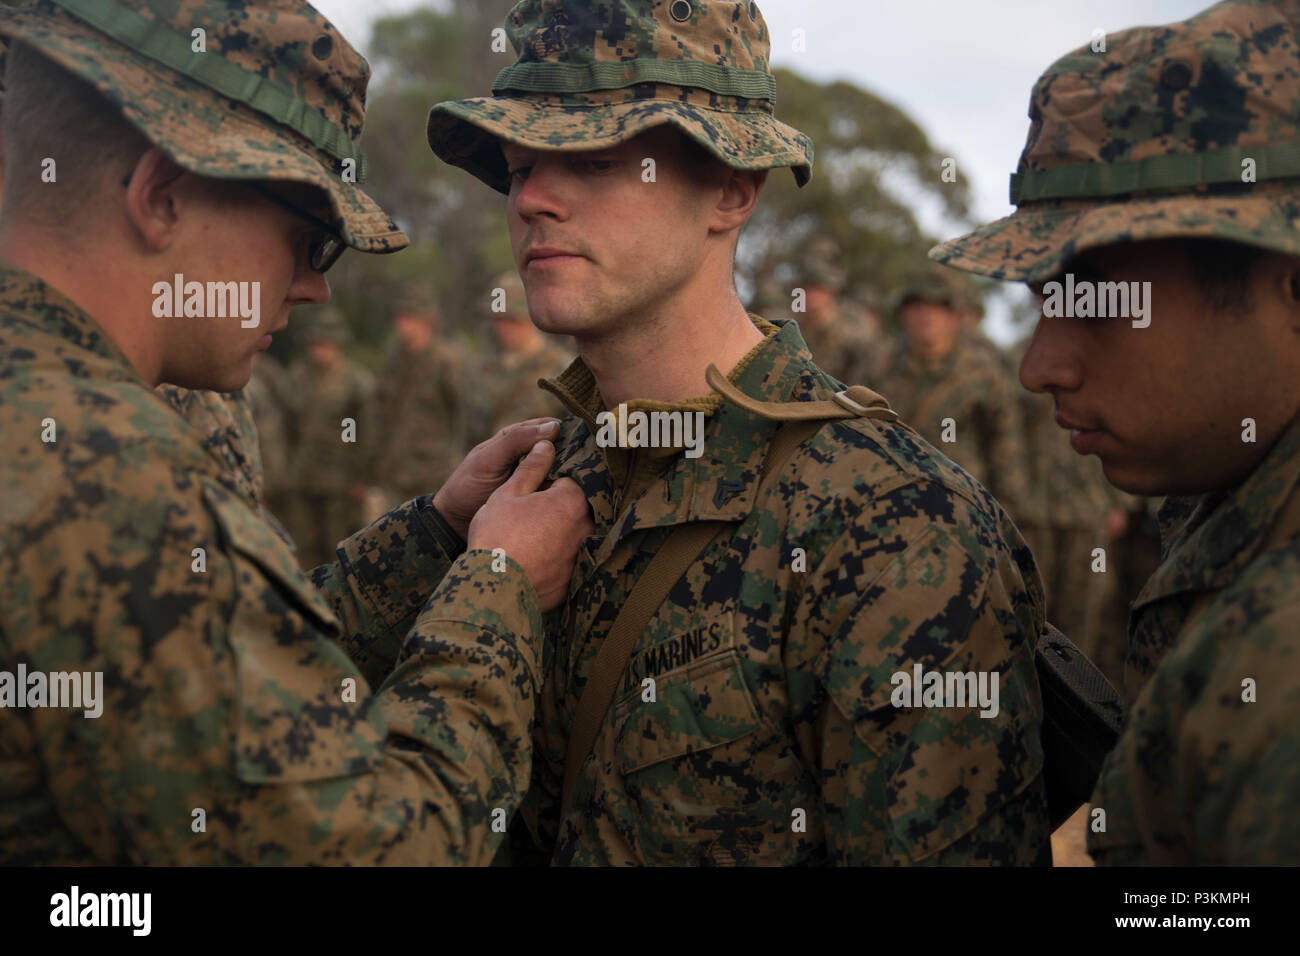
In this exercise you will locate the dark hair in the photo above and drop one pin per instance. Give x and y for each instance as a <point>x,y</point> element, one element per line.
<point>51,114</point>
<point>1223,271</point>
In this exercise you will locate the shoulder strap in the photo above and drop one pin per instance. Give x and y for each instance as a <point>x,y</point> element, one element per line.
<point>857,401</point>
<point>686,543</point>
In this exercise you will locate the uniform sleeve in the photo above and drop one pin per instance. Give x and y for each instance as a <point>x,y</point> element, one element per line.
<point>905,783</point>
<point>233,727</point>
<point>536,830</point>
<point>383,575</point>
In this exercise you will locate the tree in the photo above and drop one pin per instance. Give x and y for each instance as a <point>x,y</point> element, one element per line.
<point>457,227</point>
<point>872,166</point>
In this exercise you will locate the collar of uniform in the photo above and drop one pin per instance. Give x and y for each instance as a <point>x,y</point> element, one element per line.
<point>1227,530</point>
<point>27,299</point>
<point>720,483</point>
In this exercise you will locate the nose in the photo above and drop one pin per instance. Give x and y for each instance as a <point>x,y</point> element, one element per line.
<point>540,193</point>
<point>1051,361</point>
<point>309,287</point>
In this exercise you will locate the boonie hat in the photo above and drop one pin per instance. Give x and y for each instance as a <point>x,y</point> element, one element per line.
<point>241,89</point>
<point>592,74</point>
<point>1179,131</point>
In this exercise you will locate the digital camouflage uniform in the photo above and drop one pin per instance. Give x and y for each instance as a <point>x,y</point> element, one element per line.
<point>225,670</point>
<point>229,433</point>
<point>976,391</point>
<point>325,465</point>
<point>773,683</point>
<point>505,390</point>
<point>1147,141</point>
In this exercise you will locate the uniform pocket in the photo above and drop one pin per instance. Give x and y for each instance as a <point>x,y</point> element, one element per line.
<point>292,722</point>
<point>697,707</point>
<point>950,766</point>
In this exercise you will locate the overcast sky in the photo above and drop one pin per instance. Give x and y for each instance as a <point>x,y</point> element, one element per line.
<point>962,69</point>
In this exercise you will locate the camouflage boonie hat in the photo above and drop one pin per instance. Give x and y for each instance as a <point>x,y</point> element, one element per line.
<point>934,283</point>
<point>278,94</point>
<point>1151,140</point>
<point>417,299</point>
<point>592,74</point>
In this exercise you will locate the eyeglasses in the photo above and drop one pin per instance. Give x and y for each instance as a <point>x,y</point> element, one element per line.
<point>325,249</point>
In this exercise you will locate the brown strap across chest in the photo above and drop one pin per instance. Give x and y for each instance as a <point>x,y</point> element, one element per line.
<point>684,546</point>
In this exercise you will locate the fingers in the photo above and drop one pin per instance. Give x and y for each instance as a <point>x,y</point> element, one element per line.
<point>507,446</point>
<point>531,472</point>
<point>570,496</point>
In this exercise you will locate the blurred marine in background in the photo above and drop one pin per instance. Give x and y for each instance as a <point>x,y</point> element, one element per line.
<point>502,385</point>
<point>330,393</point>
<point>410,442</point>
<point>954,390</point>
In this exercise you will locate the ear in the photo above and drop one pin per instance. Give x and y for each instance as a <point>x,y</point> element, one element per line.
<point>153,199</point>
<point>737,196</point>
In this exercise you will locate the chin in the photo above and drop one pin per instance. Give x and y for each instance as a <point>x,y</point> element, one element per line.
<point>227,380</point>
<point>1152,482</point>
<point>562,321</point>
<point>1135,483</point>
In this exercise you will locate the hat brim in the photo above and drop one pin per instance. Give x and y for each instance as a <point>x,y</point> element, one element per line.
<point>199,129</point>
<point>469,133</point>
<point>1036,242</point>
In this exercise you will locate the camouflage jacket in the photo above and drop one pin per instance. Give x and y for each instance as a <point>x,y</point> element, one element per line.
<point>353,717</point>
<point>229,434</point>
<point>1207,770</point>
<point>323,462</point>
<point>411,439</point>
<point>979,394</point>
<point>772,738</point>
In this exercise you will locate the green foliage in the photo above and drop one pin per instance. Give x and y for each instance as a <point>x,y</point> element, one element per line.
<point>872,165</point>
<point>457,226</point>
